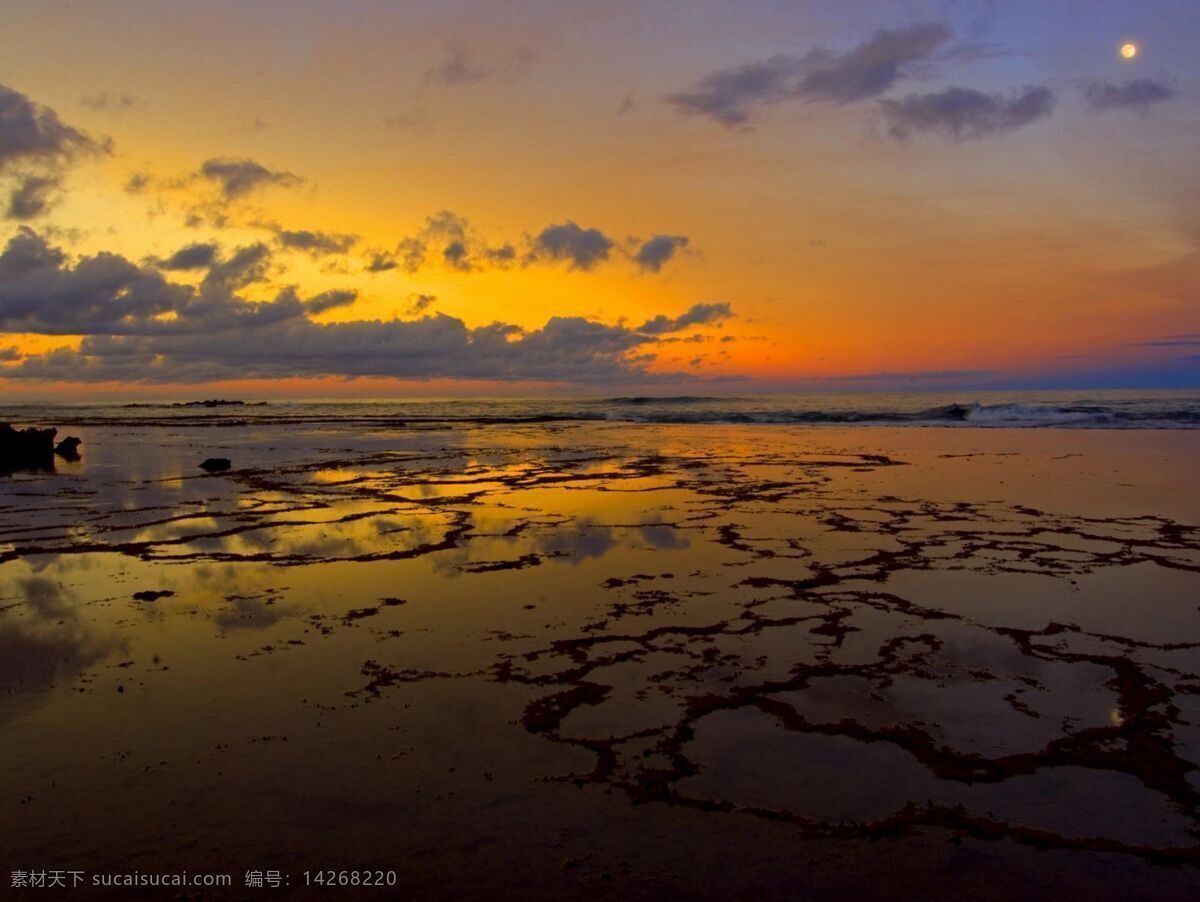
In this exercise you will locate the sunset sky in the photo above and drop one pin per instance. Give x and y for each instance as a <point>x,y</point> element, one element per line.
<point>370,199</point>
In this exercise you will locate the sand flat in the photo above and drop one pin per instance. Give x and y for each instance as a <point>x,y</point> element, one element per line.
<point>598,654</point>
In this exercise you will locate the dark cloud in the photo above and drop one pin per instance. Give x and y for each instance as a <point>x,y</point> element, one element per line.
<point>450,238</point>
<point>657,250</point>
<point>39,292</point>
<point>30,132</point>
<point>36,148</point>
<point>32,196</point>
<point>316,244</point>
<point>696,315</point>
<point>410,254</point>
<point>873,66</point>
<point>628,105</point>
<point>419,303</point>
<point>104,101</point>
<point>247,265</point>
<point>581,248</point>
<point>330,300</point>
<point>192,256</point>
<point>456,68</point>
<point>961,113</point>
<point>107,295</point>
<point>455,255</point>
<point>137,182</point>
<point>566,349</point>
<point>238,177</point>
<point>730,95</point>
<point>379,260</point>
<point>138,327</point>
<point>1138,95</point>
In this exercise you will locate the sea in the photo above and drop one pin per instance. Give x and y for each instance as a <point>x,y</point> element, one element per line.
<point>1013,410</point>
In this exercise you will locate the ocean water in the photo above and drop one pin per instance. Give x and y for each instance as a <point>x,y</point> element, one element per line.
<point>1071,410</point>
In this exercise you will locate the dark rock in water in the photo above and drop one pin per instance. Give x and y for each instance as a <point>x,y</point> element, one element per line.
<point>213,402</point>
<point>216,464</point>
<point>68,448</point>
<point>152,595</point>
<point>26,449</point>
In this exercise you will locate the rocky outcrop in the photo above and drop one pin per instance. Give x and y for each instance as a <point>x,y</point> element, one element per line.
<point>68,448</point>
<point>26,449</point>
<point>33,448</point>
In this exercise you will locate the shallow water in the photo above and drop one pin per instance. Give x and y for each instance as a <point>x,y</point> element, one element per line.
<point>515,657</point>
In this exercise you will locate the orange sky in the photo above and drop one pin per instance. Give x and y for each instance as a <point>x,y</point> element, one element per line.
<point>856,221</point>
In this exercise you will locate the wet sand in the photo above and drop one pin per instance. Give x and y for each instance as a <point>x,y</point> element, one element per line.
<point>610,660</point>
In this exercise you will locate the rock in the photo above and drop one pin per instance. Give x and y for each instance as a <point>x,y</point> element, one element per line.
<point>216,464</point>
<point>26,449</point>
<point>68,448</point>
<point>152,594</point>
<point>220,402</point>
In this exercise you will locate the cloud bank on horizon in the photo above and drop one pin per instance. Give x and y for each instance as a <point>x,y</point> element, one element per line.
<point>138,326</point>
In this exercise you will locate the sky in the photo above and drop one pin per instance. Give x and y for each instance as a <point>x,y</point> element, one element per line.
<point>370,199</point>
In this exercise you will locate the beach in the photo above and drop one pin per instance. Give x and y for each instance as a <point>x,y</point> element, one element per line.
<point>612,659</point>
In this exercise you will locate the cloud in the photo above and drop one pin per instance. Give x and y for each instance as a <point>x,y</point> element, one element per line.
<point>1138,95</point>
<point>873,66</point>
<point>30,132</point>
<point>657,250</point>
<point>628,105</point>
<point>1171,341</point>
<point>137,182</point>
<point>316,244</point>
<point>379,260</point>
<point>32,196</point>
<point>456,68</point>
<point>239,177</point>
<point>450,238</point>
<point>565,349</point>
<point>248,265</point>
<point>36,149</point>
<point>139,327</point>
<point>962,113</point>
<point>192,256</point>
<point>410,253</point>
<point>419,303</point>
<point>582,248</point>
<point>39,292</point>
<point>103,101</point>
<point>729,96</point>
<point>696,315</point>
<point>330,300</point>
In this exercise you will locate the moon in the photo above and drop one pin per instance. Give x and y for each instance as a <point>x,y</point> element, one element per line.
<point>1129,51</point>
